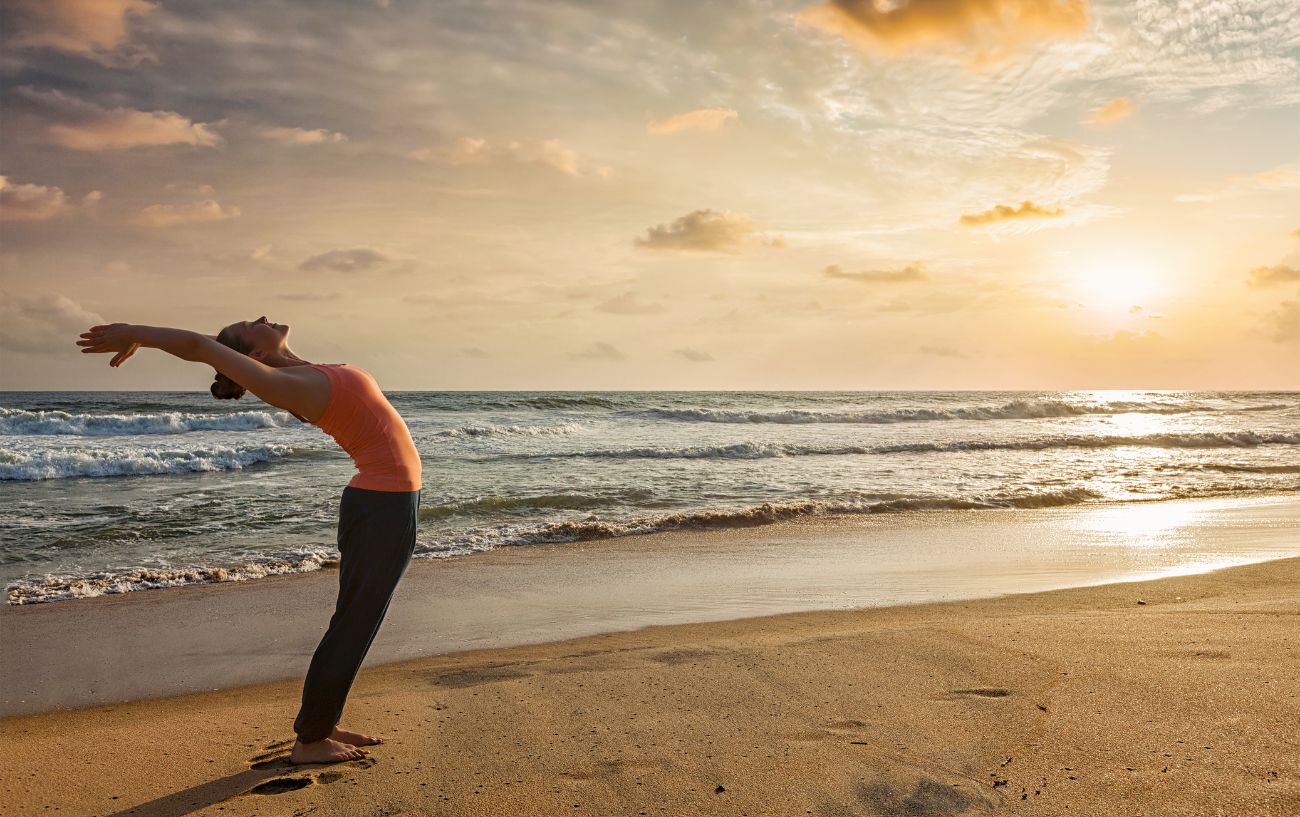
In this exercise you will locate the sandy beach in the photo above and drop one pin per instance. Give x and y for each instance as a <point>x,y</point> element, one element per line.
<point>1175,696</point>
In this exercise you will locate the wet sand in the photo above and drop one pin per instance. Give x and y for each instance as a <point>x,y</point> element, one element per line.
<point>167,642</point>
<point>1177,696</point>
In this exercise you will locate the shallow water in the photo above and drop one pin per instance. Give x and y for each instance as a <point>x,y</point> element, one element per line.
<point>108,492</point>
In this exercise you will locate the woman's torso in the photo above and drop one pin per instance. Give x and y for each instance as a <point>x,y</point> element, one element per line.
<point>365,424</point>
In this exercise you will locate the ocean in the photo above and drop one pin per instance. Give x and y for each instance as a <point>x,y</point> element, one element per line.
<point>111,492</point>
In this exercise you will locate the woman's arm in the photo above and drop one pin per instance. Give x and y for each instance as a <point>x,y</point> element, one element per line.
<point>284,388</point>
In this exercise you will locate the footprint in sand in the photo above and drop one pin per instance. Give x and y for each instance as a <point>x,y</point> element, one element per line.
<point>280,785</point>
<point>983,692</point>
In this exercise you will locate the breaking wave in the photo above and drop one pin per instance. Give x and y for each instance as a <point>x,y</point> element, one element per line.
<point>511,431</point>
<point>771,512</point>
<point>65,463</point>
<point>20,422</point>
<point>1204,439</point>
<point>1015,410</point>
<point>61,587</point>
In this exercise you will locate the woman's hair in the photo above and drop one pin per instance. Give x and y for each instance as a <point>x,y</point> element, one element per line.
<point>223,388</point>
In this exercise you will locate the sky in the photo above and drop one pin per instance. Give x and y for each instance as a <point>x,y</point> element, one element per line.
<point>750,194</point>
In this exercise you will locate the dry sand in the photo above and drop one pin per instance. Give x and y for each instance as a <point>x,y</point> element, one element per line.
<point>1173,697</point>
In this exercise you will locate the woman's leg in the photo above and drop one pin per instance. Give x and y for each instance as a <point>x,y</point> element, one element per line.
<point>376,539</point>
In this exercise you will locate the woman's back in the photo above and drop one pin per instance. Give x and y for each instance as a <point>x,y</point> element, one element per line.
<point>365,424</point>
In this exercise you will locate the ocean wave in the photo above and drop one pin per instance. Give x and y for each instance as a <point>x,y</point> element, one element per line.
<point>551,402</point>
<point>1203,439</point>
<point>772,512</point>
<point>507,504</point>
<point>65,463</point>
<point>21,422</point>
<point>63,587</point>
<point>511,431</point>
<point>1015,410</point>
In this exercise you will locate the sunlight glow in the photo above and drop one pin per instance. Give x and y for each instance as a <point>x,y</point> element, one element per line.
<point>1118,284</point>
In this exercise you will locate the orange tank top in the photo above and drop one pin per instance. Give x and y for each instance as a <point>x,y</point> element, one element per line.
<point>365,424</point>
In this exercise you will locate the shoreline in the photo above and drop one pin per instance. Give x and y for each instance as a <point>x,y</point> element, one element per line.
<point>1171,696</point>
<point>225,635</point>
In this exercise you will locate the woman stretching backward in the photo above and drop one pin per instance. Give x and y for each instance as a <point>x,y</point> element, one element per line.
<point>377,514</point>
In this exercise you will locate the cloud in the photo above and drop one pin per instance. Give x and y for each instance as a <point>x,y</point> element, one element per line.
<point>1004,212</point>
<point>81,125</point>
<point>39,202</point>
<point>988,30</point>
<point>1282,177</point>
<point>1295,233</point>
<point>175,215</point>
<point>693,355</point>
<point>49,322</point>
<point>1286,322</point>
<point>309,297</point>
<point>96,29</point>
<point>1112,112</point>
<point>30,202</point>
<point>700,231</point>
<point>704,119</point>
<point>600,351</point>
<point>475,352</point>
<point>942,351</point>
<point>629,304</point>
<point>909,273</point>
<point>551,154</point>
<point>301,136</point>
<point>356,259</point>
<point>1277,274</point>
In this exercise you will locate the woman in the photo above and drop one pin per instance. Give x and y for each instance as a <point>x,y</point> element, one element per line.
<point>378,512</point>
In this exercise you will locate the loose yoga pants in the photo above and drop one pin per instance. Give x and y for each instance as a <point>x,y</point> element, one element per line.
<point>376,539</point>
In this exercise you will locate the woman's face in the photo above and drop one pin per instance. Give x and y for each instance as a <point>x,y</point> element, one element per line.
<point>261,334</point>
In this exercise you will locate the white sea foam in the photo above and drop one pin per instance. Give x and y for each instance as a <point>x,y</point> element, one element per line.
<point>1014,410</point>
<point>63,463</point>
<point>20,422</point>
<point>511,431</point>
<point>61,587</point>
<point>1203,439</point>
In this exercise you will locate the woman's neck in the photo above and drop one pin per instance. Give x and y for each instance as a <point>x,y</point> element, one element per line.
<point>284,359</point>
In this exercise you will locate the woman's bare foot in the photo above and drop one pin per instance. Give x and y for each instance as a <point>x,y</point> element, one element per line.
<point>354,738</point>
<point>324,751</point>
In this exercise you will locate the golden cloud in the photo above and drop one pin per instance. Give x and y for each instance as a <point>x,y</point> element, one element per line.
<point>909,273</point>
<point>302,136</point>
<point>1277,274</point>
<point>704,119</point>
<point>174,215</point>
<point>1004,212</point>
<point>700,231</point>
<point>1112,112</point>
<point>30,202</point>
<point>992,29</point>
<point>81,125</point>
<point>97,29</point>
<point>548,153</point>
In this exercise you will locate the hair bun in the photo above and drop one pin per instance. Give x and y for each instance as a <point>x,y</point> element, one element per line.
<point>223,388</point>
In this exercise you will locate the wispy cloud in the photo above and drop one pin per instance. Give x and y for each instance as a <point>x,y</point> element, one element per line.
<point>600,350</point>
<point>907,274</point>
<point>302,136</point>
<point>693,355</point>
<point>551,154</point>
<point>1282,177</point>
<point>1261,277</point>
<point>1113,111</point>
<point>986,30</point>
<point>629,303</point>
<point>42,323</point>
<point>704,119</point>
<point>356,259</point>
<point>175,215</point>
<point>97,29</point>
<point>81,125</point>
<point>1005,212</point>
<point>700,231</point>
<point>1286,322</point>
<point>30,202</point>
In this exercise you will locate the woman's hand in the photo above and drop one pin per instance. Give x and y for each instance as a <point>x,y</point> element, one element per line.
<point>115,337</point>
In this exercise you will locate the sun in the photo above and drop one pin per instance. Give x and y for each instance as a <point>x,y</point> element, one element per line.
<point>1117,284</point>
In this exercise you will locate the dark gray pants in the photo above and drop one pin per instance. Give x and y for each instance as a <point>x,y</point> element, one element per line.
<point>376,539</point>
